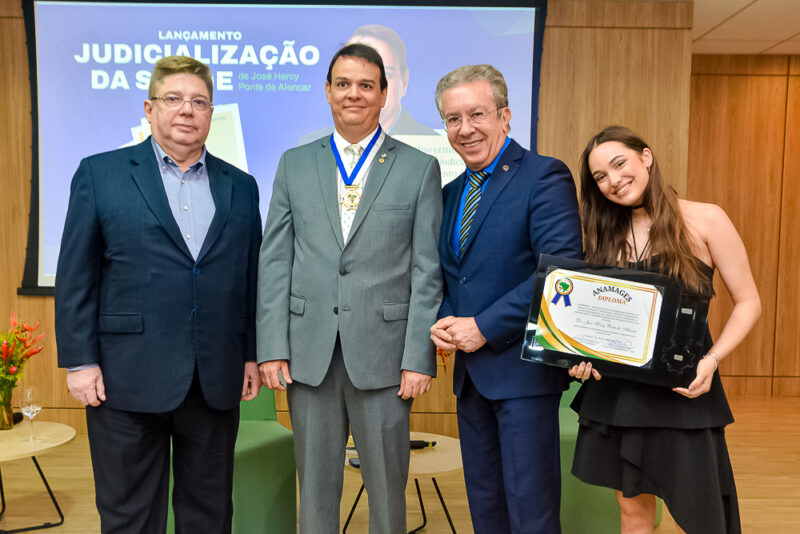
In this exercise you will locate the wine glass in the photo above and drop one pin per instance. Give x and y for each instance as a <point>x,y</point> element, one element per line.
<point>30,407</point>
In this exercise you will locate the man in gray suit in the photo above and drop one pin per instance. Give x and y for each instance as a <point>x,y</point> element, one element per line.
<point>349,283</point>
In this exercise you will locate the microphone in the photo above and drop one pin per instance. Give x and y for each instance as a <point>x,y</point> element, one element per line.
<point>421,444</point>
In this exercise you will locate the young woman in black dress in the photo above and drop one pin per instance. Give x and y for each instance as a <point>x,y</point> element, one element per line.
<point>646,441</point>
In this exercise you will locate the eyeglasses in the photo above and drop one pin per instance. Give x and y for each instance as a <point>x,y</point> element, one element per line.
<point>476,117</point>
<point>172,101</point>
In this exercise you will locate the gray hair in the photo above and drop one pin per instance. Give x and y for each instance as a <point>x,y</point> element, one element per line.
<point>474,73</point>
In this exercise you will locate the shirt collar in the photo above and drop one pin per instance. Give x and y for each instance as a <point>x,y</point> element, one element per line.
<point>342,143</point>
<point>163,158</point>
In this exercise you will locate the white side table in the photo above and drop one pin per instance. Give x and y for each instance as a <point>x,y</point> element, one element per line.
<point>15,444</point>
<point>444,456</point>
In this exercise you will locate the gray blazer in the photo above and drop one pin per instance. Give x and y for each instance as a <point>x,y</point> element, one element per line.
<point>381,291</point>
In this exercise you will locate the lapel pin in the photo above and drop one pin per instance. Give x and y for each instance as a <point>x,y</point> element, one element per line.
<point>505,167</point>
<point>383,155</point>
<point>381,160</point>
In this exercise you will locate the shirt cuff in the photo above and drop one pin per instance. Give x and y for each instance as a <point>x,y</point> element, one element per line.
<point>81,367</point>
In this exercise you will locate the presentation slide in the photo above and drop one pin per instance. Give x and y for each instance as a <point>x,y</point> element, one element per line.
<point>269,62</point>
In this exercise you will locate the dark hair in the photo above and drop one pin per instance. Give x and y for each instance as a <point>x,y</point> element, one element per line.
<point>606,223</point>
<point>386,35</point>
<point>364,52</point>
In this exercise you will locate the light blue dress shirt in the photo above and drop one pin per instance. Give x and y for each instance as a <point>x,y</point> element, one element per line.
<point>189,196</point>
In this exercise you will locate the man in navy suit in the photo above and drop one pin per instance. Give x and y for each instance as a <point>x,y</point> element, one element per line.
<point>155,312</point>
<point>508,207</point>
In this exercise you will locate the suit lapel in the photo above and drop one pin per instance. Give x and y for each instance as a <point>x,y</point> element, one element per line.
<point>450,214</point>
<point>379,170</point>
<point>326,173</point>
<point>148,180</point>
<point>501,176</point>
<point>221,191</point>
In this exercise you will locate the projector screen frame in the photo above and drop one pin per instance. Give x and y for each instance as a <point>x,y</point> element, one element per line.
<point>30,285</point>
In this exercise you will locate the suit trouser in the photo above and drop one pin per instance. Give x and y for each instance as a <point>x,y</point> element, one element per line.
<point>510,450</point>
<point>379,422</point>
<point>131,459</point>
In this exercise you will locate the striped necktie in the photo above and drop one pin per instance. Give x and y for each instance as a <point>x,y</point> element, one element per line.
<point>476,180</point>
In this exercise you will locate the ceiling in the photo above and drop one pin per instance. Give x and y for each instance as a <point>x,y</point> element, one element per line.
<point>746,27</point>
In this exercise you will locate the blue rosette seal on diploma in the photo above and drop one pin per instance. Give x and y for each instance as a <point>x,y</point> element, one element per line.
<point>629,324</point>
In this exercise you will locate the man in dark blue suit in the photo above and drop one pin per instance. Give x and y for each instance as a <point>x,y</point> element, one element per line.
<point>508,207</point>
<point>155,312</point>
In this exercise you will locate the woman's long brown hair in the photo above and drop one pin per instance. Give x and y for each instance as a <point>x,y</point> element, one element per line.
<point>606,224</point>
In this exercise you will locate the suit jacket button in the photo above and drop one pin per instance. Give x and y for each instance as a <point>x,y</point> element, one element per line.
<point>336,310</point>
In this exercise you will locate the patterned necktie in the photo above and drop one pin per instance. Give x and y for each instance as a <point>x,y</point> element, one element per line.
<point>476,180</point>
<point>352,193</point>
<point>354,151</point>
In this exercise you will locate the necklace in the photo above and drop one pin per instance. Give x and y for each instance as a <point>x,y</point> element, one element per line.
<point>636,254</point>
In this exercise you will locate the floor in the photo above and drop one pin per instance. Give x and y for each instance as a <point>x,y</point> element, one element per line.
<point>764,445</point>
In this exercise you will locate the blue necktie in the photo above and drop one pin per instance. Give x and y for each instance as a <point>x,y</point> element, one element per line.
<point>476,180</point>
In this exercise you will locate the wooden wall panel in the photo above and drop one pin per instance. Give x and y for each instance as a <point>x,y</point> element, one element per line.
<point>787,348</point>
<point>620,14</point>
<point>786,386</point>
<point>736,159</point>
<point>15,139</point>
<point>745,127</point>
<point>284,419</point>
<point>10,8</point>
<point>440,398</point>
<point>595,77</point>
<point>15,153</point>
<point>744,65</point>
<point>746,387</point>
<point>445,424</point>
<point>280,401</point>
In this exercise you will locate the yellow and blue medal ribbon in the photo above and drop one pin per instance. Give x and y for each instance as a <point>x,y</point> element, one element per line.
<point>563,287</point>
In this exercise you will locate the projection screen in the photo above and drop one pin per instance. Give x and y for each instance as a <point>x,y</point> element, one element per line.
<point>91,62</point>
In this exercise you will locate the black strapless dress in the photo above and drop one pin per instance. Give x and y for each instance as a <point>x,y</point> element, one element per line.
<point>639,438</point>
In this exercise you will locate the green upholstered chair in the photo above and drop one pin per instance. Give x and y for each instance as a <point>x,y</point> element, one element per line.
<point>584,508</point>
<point>264,482</point>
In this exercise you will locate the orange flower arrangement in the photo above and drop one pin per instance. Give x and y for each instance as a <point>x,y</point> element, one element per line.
<point>17,346</point>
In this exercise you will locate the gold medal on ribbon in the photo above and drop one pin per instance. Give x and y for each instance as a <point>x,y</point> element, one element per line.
<point>351,197</point>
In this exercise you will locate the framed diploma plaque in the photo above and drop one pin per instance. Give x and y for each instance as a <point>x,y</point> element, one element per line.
<point>630,324</point>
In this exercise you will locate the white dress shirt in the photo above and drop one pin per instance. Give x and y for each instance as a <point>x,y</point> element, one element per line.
<point>346,215</point>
